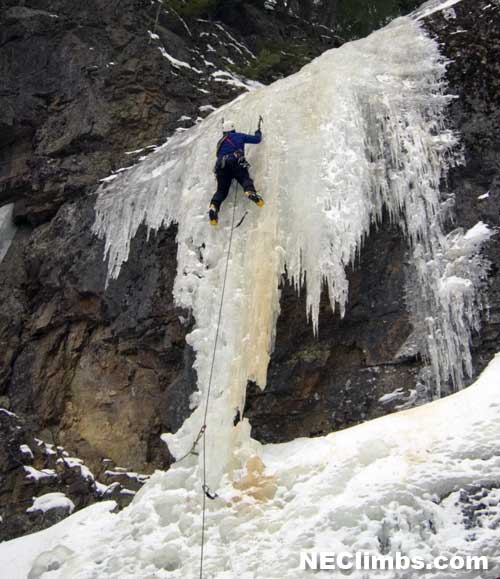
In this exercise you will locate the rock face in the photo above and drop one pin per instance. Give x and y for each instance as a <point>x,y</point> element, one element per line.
<point>103,372</point>
<point>85,83</point>
<point>30,468</point>
<point>94,364</point>
<point>317,385</point>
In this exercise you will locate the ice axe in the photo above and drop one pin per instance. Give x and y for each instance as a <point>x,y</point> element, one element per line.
<point>261,120</point>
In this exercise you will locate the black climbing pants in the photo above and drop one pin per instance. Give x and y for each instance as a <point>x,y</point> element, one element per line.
<point>232,170</point>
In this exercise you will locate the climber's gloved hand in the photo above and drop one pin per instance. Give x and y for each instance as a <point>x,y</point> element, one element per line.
<point>258,133</point>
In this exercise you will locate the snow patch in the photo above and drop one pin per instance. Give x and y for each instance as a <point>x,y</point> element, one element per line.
<point>241,48</point>
<point>392,396</point>
<point>39,475</point>
<point>177,63</point>
<point>433,6</point>
<point>207,108</point>
<point>73,462</point>
<point>26,450</point>
<point>239,82</point>
<point>51,501</point>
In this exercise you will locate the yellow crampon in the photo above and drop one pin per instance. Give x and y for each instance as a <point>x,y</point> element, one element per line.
<point>255,197</point>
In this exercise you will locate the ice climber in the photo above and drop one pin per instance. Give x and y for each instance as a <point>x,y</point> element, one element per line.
<point>231,164</point>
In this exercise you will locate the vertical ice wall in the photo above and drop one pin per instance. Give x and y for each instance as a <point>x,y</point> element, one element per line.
<point>358,130</point>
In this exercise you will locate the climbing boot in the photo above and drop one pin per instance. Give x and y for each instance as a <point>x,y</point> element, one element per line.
<point>255,197</point>
<point>213,215</point>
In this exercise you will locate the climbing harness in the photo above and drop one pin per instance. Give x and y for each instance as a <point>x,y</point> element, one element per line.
<point>237,154</point>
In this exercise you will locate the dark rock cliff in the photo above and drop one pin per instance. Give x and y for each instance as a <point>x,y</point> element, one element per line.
<point>100,374</point>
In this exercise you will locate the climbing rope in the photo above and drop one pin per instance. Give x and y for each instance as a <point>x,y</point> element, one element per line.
<point>202,433</point>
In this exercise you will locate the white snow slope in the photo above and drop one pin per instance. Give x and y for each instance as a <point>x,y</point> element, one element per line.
<point>393,482</point>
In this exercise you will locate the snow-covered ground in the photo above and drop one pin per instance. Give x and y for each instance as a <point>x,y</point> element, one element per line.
<point>393,484</point>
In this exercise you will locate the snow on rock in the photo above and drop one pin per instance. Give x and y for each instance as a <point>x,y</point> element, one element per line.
<point>238,46</point>
<point>47,448</point>
<point>51,501</point>
<point>392,396</point>
<point>176,62</point>
<point>233,80</point>
<point>478,234</point>
<point>7,229</point>
<point>77,463</point>
<point>108,179</point>
<point>359,131</point>
<point>39,475</point>
<point>26,451</point>
<point>407,482</point>
<point>141,478</point>
<point>207,108</point>
<point>432,6</point>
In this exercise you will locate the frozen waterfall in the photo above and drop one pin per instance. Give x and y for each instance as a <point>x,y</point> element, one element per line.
<point>357,132</point>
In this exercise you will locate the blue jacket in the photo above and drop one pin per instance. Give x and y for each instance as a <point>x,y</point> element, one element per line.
<point>233,141</point>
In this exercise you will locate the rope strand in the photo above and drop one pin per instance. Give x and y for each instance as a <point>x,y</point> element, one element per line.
<point>204,426</point>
